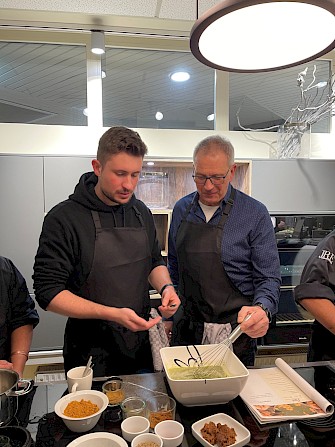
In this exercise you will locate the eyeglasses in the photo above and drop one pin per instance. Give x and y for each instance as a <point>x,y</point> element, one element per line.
<point>215,179</point>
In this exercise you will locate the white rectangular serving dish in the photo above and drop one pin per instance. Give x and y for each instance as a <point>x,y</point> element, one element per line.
<point>196,392</point>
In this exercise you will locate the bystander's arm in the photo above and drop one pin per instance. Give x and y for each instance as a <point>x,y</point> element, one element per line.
<point>20,345</point>
<point>323,311</point>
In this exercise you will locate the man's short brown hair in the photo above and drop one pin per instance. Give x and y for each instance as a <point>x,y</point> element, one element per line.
<point>120,139</point>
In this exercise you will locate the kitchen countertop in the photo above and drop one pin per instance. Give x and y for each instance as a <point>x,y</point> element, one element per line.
<point>49,431</point>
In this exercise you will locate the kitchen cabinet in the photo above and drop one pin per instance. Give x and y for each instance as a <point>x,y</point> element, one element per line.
<point>22,210</point>
<point>294,185</point>
<point>61,175</point>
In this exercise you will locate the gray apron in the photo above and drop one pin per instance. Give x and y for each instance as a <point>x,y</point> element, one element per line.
<point>206,291</point>
<point>118,278</point>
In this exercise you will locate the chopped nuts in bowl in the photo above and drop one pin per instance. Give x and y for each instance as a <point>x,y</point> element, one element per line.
<point>147,440</point>
<point>83,402</point>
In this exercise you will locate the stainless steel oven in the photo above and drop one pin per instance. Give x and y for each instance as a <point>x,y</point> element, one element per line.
<point>297,236</point>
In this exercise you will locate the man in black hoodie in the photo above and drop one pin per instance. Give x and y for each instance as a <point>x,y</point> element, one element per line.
<point>97,252</point>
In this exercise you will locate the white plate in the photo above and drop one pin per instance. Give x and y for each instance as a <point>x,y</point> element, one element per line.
<point>242,433</point>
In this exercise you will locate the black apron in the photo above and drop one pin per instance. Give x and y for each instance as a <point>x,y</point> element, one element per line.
<point>206,292</point>
<point>118,278</point>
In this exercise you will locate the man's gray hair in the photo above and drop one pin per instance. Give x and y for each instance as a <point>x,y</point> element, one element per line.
<point>214,143</point>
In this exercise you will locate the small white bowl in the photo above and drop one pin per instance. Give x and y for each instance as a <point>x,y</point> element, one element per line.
<point>99,439</point>
<point>242,433</point>
<point>133,426</point>
<point>81,425</point>
<point>147,438</point>
<point>171,432</point>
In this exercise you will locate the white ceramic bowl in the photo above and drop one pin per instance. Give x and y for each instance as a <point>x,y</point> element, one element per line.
<point>133,426</point>
<point>195,392</point>
<point>99,439</point>
<point>147,438</point>
<point>242,433</point>
<point>171,432</point>
<point>81,425</point>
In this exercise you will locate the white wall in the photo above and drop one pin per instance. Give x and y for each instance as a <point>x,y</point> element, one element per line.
<point>68,140</point>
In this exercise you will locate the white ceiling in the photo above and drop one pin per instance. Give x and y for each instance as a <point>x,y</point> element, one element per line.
<point>47,83</point>
<point>163,9</point>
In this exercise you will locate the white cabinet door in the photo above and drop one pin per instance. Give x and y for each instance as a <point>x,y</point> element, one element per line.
<point>61,175</point>
<point>22,210</point>
<point>295,185</point>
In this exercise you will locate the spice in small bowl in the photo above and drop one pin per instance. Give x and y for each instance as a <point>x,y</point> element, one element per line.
<point>147,440</point>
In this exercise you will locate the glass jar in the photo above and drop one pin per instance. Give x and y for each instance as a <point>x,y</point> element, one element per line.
<point>160,408</point>
<point>133,406</point>
<point>114,391</point>
<point>153,189</point>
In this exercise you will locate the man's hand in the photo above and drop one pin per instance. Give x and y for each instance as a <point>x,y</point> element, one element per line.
<point>170,303</point>
<point>257,325</point>
<point>129,319</point>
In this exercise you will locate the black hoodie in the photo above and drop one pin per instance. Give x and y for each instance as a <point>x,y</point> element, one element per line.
<point>66,247</point>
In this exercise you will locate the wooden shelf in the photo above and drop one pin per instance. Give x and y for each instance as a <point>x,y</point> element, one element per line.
<point>162,218</point>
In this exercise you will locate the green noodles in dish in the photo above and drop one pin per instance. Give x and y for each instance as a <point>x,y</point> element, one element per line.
<point>199,372</point>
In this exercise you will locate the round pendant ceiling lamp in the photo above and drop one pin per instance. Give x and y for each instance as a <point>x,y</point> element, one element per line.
<point>249,36</point>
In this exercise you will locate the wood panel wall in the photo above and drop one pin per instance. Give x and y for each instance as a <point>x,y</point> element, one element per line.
<point>179,182</point>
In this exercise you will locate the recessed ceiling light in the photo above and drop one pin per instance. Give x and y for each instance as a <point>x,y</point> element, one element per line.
<point>211,117</point>
<point>180,76</point>
<point>159,116</point>
<point>150,163</point>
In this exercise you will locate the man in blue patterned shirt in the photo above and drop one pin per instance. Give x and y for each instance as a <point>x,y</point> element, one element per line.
<point>222,256</point>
